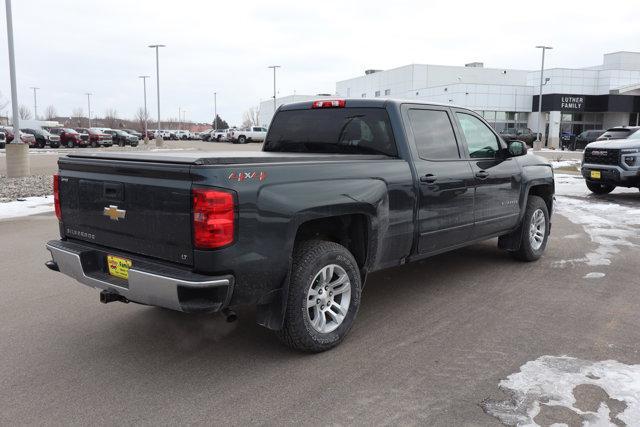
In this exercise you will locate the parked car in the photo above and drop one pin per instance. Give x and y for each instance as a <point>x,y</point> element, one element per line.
<point>219,135</point>
<point>182,134</point>
<point>122,138</point>
<point>69,138</point>
<point>206,135</point>
<point>584,138</point>
<point>165,134</point>
<point>3,138</point>
<point>252,134</point>
<point>27,138</point>
<point>618,132</point>
<point>97,138</point>
<point>341,189</point>
<point>520,134</point>
<point>611,163</point>
<point>134,133</point>
<point>43,138</point>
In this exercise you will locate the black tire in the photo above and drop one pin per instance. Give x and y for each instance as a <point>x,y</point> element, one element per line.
<point>527,251</point>
<point>40,145</point>
<point>134,144</point>
<point>70,144</point>
<point>218,138</point>
<point>308,260</point>
<point>121,143</point>
<point>598,188</point>
<point>94,144</point>
<point>242,139</point>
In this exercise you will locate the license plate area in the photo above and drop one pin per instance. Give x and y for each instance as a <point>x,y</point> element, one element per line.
<point>118,266</point>
<point>596,175</point>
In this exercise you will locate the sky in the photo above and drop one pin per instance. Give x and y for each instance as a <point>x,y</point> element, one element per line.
<point>70,47</point>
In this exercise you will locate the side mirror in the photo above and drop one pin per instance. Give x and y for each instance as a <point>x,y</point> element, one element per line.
<point>516,148</point>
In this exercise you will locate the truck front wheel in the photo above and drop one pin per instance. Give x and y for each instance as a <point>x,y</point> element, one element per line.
<point>534,230</point>
<point>598,188</point>
<point>323,299</point>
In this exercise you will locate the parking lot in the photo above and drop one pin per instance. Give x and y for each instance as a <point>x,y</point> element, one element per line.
<point>431,345</point>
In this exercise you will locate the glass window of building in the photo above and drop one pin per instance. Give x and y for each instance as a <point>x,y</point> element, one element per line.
<point>377,93</point>
<point>387,91</point>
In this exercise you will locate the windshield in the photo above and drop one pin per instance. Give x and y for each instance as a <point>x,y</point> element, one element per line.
<point>332,130</point>
<point>635,135</point>
<point>67,130</point>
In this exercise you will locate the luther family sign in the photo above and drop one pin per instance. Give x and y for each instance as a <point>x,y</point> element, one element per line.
<point>572,103</point>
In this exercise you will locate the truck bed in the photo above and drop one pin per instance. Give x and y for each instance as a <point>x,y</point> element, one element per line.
<point>220,157</point>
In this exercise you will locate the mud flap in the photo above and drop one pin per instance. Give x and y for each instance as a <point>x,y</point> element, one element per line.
<point>511,241</point>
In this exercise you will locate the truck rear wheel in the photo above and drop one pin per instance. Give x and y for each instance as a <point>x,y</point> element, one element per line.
<point>324,297</point>
<point>535,230</point>
<point>242,139</point>
<point>597,188</point>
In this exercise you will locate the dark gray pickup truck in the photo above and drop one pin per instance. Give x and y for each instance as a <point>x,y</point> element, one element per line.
<point>341,189</point>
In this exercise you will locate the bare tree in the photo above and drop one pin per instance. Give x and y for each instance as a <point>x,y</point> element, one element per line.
<point>141,118</point>
<point>111,118</point>
<point>250,118</point>
<point>3,103</point>
<point>24,113</point>
<point>50,113</point>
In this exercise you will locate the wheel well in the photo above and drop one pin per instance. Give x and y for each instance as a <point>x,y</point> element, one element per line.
<point>545,191</point>
<point>351,231</point>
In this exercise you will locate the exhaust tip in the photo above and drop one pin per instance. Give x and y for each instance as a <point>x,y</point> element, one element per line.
<point>229,315</point>
<point>51,265</point>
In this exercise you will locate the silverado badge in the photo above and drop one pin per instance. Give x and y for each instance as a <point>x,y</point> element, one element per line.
<point>114,213</point>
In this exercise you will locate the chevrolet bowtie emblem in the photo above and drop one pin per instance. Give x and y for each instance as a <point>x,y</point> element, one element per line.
<point>114,213</point>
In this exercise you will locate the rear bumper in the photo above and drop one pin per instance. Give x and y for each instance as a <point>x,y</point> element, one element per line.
<point>150,282</point>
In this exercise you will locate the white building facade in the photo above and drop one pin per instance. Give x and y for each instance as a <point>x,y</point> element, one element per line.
<point>574,100</point>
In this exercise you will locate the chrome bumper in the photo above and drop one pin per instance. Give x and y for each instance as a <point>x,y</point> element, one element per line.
<point>182,291</point>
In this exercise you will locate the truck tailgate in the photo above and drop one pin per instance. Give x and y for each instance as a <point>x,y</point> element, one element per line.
<point>139,207</point>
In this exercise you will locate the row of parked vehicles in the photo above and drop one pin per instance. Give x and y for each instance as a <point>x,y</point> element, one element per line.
<point>54,137</point>
<point>234,135</point>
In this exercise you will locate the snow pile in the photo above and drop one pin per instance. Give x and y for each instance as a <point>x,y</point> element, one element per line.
<point>30,206</point>
<point>566,164</point>
<point>559,390</point>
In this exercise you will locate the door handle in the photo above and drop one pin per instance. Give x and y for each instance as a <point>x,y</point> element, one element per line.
<point>428,178</point>
<point>482,174</point>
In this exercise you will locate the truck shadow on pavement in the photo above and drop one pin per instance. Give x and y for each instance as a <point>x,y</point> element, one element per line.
<point>412,287</point>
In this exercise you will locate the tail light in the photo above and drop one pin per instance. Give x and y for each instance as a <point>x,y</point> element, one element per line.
<point>335,103</point>
<point>56,196</point>
<point>213,218</point>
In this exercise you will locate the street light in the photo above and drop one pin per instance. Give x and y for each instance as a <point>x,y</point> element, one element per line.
<point>539,140</point>
<point>35,102</point>
<point>274,86</point>
<point>89,107</point>
<point>157,47</point>
<point>144,86</point>
<point>17,156</point>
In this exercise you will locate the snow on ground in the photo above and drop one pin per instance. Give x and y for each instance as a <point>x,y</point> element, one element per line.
<point>611,226</point>
<point>566,164</point>
<point>30,206</point>
<point>562,390</point>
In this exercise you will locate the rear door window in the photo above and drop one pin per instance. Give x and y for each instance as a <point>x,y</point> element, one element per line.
<point>433,134</point>
<point>332,130</point>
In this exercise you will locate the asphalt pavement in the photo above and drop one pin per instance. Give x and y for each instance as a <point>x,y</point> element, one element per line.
<point>430,346</point>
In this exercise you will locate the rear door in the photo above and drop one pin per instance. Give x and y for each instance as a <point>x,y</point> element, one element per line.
<point>445,180</point>
<point>497,178</point>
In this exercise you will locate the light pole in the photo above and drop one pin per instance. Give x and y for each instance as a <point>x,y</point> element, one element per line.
<point>144,88</point>
<point>274,86</point>
<point>157,47</point>
<point>35,103</point>
<point>17,156</point>
<point>539,138</point>
<point>215,110</point>
<point>89,107</point>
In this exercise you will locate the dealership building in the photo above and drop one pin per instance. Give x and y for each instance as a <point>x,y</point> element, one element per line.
<point>573,100</point>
